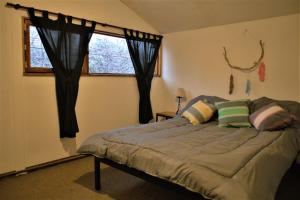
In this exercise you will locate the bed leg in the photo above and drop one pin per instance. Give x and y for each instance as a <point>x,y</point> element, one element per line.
<point>97,174</point>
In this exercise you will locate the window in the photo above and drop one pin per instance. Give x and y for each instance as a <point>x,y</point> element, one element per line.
<point>108,55</point>
<point>38,56</point>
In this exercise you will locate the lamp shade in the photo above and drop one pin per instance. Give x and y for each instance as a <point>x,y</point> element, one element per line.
<point>180,92</point>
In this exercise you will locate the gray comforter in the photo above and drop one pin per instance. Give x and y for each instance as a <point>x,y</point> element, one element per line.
<point>219,163</point>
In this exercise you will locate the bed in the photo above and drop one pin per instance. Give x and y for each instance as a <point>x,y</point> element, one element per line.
<point>216,162</point>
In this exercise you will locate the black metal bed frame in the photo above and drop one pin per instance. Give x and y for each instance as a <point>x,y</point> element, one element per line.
<point>139,174</point>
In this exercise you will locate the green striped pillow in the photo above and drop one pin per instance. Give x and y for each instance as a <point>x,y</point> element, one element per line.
<point>233,113</point>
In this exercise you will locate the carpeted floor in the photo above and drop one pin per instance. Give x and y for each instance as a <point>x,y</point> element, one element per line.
<point>74,180</point>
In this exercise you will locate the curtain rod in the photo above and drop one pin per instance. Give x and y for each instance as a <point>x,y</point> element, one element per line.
<point>18,6</point>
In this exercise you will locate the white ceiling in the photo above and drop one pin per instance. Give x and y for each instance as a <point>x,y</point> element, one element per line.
<point>177,15</point>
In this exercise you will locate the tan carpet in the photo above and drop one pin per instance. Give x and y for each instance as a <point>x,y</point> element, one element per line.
<point>75,180</point>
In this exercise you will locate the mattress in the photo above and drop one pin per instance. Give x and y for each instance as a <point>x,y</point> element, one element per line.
<point>219,163</point>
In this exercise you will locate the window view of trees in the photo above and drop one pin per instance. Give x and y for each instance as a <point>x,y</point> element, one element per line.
<point>38,56</point>
<point>107,54</point>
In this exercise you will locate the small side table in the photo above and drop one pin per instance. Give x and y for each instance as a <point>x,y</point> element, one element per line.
<point>165,114</point>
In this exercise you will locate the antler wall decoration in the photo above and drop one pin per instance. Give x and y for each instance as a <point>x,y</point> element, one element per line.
<point>250,69</point>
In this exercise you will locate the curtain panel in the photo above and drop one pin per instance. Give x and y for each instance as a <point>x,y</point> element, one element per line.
<point>66,45</point>
<point>143,49</point>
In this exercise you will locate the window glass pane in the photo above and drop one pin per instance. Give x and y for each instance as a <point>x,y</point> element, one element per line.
<point>109,54</point>
<point>38,56</point>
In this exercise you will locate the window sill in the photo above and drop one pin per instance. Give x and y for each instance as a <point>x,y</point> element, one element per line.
<point>83,74</point>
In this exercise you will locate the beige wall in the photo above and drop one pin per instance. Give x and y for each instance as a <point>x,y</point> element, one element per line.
<point>299,50</point>
<point>194,60</point>
<point>28,121</point>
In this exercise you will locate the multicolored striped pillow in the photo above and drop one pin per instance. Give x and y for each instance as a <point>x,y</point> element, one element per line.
<point>233,113</point>
<point>271,117</point>
<point>199,112</point>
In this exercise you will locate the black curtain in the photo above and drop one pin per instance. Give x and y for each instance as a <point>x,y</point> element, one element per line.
<point>66,45</point>
<point>143,49</point>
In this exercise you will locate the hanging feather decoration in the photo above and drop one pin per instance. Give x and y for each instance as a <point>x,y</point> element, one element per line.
<point>262,71</point>
<point>231,86</point>
<point>248,87</point>
<point>257,64</point>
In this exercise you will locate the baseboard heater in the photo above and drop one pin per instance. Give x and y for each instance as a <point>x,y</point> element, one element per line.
<point>43,165</point>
